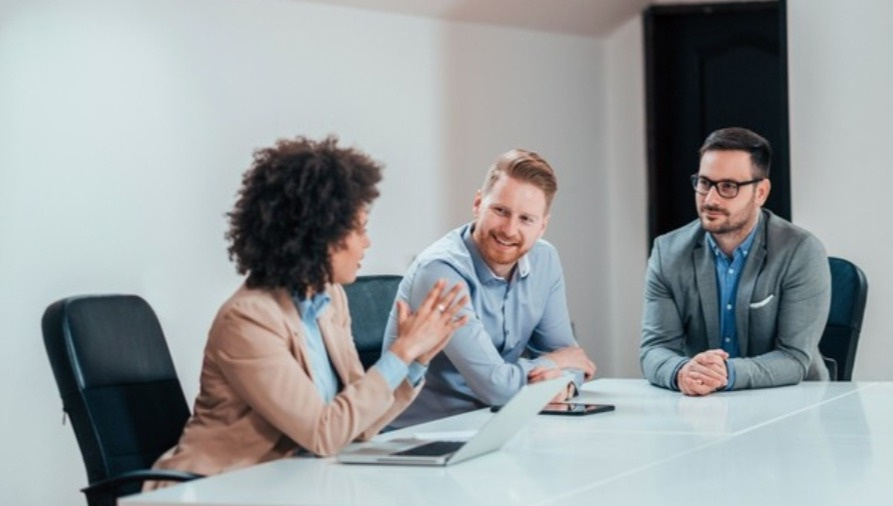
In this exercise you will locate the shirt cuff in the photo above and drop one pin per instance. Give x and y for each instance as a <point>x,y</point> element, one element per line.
<point>730,369</point>
<point>392,368</point>
<point>673,379</point>
<point>574,375</point>
<point>416,373</point>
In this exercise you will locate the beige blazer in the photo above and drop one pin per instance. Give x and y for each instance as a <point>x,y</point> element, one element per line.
<point>257,400</point>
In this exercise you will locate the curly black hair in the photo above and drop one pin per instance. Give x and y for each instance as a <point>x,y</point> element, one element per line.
<point>298,198</point>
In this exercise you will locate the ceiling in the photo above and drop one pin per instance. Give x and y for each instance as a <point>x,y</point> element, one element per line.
<point>590,18</point>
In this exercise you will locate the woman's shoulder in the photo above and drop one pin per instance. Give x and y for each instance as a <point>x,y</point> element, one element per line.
<point>256,301</point>
<point>250,309</point>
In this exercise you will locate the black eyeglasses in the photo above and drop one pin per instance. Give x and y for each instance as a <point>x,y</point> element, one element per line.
<point>725,188</point>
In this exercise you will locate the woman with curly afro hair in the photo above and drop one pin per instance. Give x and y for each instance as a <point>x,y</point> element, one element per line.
<point>281,375</point>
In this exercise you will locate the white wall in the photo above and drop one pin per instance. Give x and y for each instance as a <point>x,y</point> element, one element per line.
<point>841,74</point>
<point>125,125</point>
<point>627,240</point>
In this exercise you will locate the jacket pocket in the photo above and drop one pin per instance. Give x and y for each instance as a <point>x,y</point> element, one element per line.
<point>761,303</point>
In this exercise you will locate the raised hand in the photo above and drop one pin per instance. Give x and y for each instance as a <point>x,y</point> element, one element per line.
<point>423,334</point>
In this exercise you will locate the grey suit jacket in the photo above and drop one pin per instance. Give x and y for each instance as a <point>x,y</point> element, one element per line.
<point>782,303</point>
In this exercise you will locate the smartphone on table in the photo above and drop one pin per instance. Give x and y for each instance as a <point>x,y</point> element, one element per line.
<point>570,408</point>
<point>575,408</point>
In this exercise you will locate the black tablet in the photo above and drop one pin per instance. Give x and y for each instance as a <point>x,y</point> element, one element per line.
<point>570,408</point>
<point>575,408</point>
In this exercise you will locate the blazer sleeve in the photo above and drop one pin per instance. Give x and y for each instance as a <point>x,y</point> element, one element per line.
<point>258,354</point>
<point>801,316</point>
<point>403,397</point>
<point>661,351</point>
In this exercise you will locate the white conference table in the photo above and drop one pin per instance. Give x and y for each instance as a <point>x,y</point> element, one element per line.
<point>815,443</point>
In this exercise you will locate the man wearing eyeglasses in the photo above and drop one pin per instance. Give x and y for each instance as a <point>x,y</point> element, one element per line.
<point>739,297</point>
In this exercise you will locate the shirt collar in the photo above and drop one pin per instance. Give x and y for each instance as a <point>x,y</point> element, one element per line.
<point>480,266</point>
<point>310,308</point>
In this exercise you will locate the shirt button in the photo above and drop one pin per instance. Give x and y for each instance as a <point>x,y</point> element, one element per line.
<point>728,339</point>
<point>729,307</point>
<point>731,271</point>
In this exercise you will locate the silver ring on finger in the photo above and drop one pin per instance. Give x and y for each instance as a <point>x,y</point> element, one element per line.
<point>441,308</point>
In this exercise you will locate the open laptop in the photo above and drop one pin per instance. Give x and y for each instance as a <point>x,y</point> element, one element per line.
<point>501,427</point>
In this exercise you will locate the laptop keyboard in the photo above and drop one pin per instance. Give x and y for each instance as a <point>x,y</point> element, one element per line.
<point>433,448</point>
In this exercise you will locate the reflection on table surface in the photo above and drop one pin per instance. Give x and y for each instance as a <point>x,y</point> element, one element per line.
<point>814,443</point>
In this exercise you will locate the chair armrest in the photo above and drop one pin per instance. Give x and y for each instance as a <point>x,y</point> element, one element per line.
<point>138,476</point>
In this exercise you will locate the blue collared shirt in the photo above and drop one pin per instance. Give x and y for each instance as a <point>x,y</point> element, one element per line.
<point>728,274</point>
<point>511,323</point>
<point>324,377</point>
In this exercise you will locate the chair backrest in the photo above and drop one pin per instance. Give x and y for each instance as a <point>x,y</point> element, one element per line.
<point>849,291</point>
<point>117,381</point>
<point>370,299</point>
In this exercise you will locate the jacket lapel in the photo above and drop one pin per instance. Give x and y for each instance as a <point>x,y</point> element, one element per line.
<point>296,330</point>
<point>752,267</point>
<point>705,273</point>
<point>334,345</point>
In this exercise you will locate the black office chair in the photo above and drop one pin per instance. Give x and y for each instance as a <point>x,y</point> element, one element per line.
<point>370,299</point>
<point>849,291</point>
<point>119,388</point>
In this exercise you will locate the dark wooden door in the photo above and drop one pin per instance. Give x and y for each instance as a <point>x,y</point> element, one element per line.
<point>707,67</point>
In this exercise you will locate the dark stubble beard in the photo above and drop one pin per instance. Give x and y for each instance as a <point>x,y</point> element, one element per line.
<point>729,227</point>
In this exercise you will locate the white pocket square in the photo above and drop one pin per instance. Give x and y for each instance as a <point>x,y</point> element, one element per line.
<point>757,305</point>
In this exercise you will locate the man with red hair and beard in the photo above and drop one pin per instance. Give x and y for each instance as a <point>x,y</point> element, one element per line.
<point>739,297</point>
<point>518,329</point>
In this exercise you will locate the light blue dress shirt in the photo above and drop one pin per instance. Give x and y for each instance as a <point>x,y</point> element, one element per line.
<point>511,323</point>
<point>324,377</point>
<point>728,273</point>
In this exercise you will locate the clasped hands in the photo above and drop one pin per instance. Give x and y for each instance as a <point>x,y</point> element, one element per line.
<point>704,374</point>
